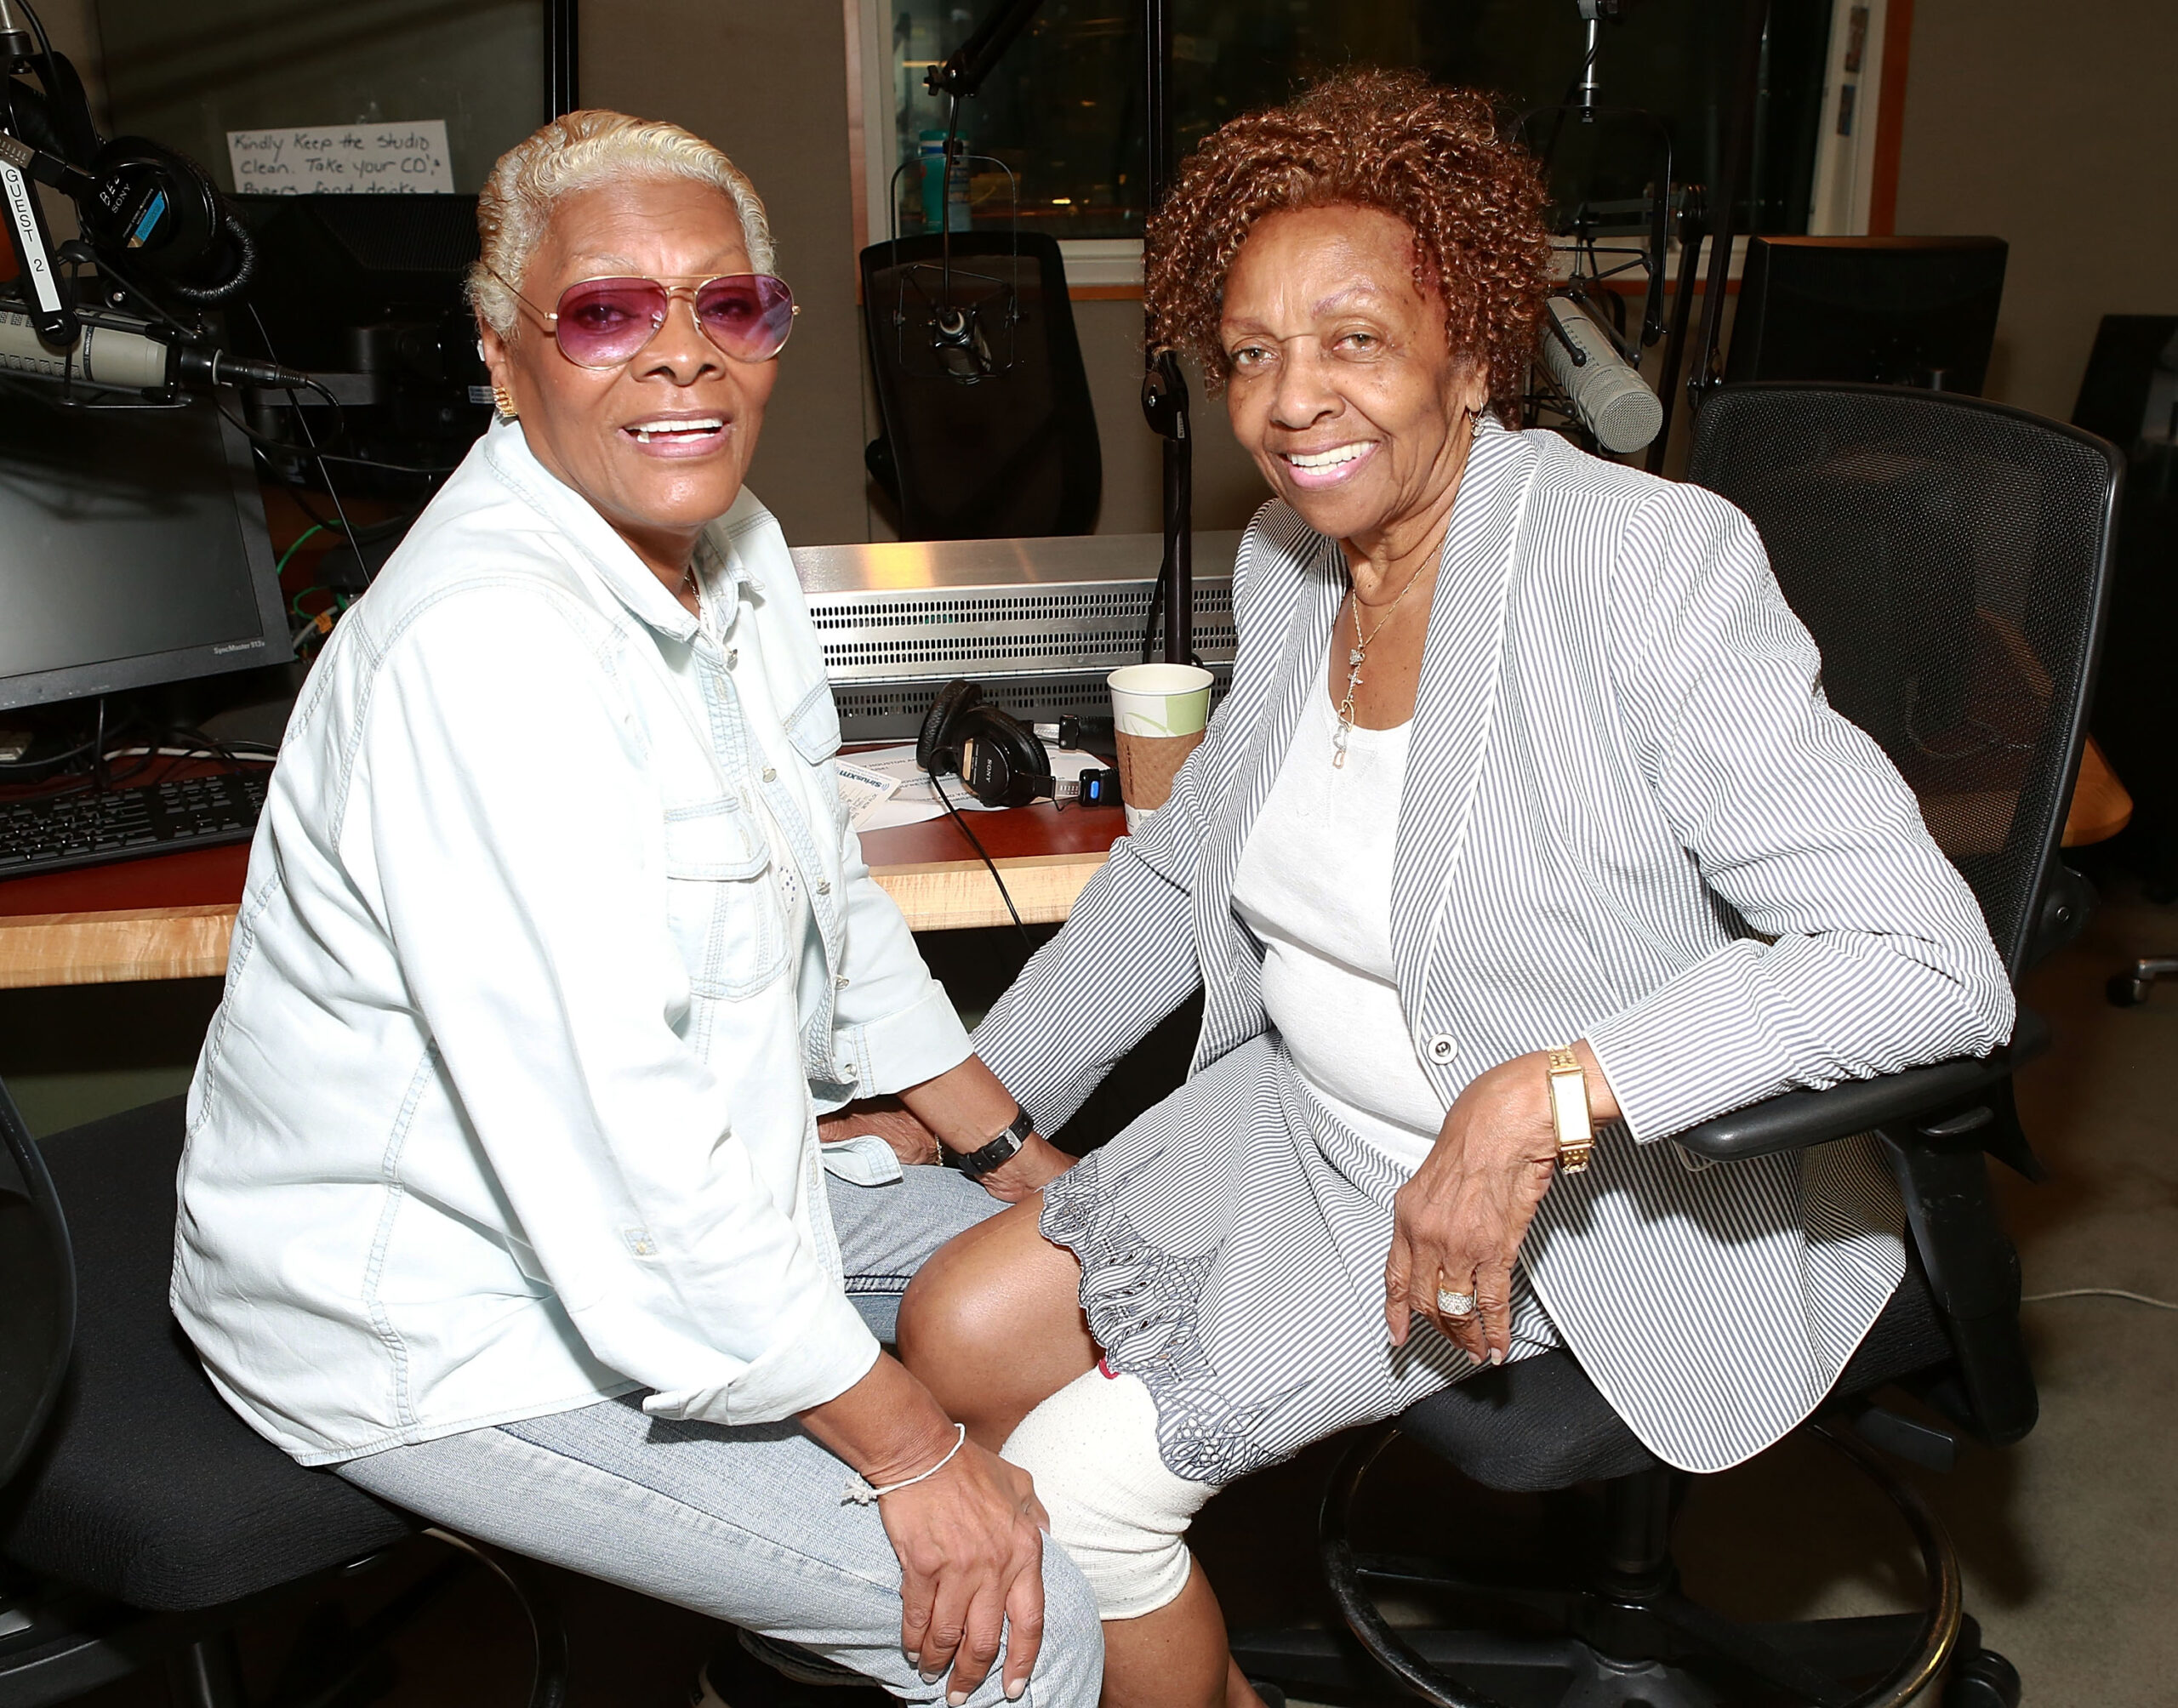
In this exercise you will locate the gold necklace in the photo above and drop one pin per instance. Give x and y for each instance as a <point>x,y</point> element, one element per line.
<point>1358,655</point>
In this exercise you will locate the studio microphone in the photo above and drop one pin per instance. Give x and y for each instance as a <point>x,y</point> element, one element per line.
<point>1608,398</point>
<point>126,358</point>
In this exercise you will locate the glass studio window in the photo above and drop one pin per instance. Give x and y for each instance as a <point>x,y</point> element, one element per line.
<point>1059,124</point>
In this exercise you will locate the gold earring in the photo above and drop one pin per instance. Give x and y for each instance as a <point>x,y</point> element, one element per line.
<point>503,401</point>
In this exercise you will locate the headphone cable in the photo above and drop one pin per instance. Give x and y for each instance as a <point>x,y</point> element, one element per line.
<point>1004,895</point>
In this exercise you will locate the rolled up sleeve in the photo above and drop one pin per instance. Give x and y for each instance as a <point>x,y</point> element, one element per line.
<point>502,811</point>
<point>894,1025</point>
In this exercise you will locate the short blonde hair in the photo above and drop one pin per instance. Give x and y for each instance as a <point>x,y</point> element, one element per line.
<point>574,152</point>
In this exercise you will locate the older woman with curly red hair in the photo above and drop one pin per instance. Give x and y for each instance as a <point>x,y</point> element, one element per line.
<point>1523,841</point>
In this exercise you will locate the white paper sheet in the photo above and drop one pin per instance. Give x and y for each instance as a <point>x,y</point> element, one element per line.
<point>913,799</point>
<point>409,158</point>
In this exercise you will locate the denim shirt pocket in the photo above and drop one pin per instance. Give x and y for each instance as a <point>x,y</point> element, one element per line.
<point>814,726</point>
<point>724,914</point>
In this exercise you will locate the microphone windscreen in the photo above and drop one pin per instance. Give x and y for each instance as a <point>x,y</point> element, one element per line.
<point>1611,400</point>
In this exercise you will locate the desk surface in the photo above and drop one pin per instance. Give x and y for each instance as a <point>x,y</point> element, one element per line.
<point>170,917</point>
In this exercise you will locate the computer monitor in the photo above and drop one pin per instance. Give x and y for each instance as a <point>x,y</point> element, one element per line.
<point>1919,311</point>
<point>133,551</point>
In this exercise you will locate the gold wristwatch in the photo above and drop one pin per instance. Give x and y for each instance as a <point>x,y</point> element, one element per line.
<point>1569,1111</point>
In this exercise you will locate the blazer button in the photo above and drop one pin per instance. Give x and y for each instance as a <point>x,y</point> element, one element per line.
<point>1442,1048</point>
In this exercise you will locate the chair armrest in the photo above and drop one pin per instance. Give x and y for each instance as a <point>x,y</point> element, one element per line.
<point>1796,1120</point>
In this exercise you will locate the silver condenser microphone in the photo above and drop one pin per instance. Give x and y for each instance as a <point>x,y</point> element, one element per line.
<point>1608,398</point>
<point>124,359</point>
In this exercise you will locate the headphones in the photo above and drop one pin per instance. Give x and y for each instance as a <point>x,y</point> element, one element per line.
<point>157,210</point>
<point>1003,762</point>
<point>146,211</point>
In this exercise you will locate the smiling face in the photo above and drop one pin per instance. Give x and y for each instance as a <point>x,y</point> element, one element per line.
<point>660,445</point>
<point>1342,385</point>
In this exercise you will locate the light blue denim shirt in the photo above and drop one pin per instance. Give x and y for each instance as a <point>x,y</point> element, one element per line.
<point>511,1103</point>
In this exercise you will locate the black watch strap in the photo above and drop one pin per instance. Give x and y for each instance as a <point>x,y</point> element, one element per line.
<point>998,1152</point>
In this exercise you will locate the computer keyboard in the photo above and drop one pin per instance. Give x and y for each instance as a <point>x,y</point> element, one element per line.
<point>58,832</point>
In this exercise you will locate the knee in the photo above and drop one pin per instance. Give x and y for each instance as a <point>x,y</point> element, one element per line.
<point>1120,1514</point>
<point>948,1311</point>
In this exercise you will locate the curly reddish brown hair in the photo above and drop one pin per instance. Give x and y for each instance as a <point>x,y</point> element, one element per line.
<point>1433,158</point>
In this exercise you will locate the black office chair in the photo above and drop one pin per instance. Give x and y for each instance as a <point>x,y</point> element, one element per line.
<point>986,427</point>
<point>140,1519</point>
<point>1951,557</point>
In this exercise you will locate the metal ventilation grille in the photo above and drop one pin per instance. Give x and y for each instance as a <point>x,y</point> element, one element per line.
<point>891,635</point>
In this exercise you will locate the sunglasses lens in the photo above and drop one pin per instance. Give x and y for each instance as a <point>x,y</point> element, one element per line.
<point>605,322</point>
<point>748,316</point>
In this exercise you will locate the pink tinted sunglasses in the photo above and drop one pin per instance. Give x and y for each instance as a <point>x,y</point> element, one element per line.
<point>604,322</point>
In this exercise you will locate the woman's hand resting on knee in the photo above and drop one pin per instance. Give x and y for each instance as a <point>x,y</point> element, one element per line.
<point>1458,1224</point>
<point>971,1547</point>
<point>970,1536</point>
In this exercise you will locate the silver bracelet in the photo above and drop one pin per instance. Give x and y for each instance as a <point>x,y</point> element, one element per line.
<point>859,1491</point>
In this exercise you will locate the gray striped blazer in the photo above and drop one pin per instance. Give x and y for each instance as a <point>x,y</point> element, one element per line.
<point>1629,815</point>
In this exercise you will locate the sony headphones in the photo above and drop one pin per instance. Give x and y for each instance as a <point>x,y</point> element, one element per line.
<point>157,210</point>
<point>148,214</point>
<point>1003,762</point>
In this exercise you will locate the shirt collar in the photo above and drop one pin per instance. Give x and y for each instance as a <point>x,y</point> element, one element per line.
<point>721,568</point>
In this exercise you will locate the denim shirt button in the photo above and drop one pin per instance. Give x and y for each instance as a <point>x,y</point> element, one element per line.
<point>824,888</point>
<point>770,775</point>
<point>733,657</point>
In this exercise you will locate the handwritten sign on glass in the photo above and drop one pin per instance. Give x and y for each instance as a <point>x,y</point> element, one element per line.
<point>402,159</point>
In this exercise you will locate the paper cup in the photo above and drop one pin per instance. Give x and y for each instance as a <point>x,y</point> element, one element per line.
<point>1159,714</point>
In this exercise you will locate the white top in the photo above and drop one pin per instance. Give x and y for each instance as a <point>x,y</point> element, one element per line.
<point>554,942</point>
<point>1315,885</point>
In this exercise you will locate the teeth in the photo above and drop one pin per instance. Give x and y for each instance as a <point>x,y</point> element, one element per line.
<point>1326,459</point>
<point>669,428</point>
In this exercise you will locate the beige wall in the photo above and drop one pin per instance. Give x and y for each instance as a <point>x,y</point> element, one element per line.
<point>2050,127</point>
<point>766,82</point>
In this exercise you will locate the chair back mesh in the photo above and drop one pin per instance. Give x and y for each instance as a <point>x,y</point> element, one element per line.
<point>1950,557</point>
<point>994,438</point>
<point>38,1292</point>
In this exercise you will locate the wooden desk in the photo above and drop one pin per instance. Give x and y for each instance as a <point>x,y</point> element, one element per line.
<point>171,917</point>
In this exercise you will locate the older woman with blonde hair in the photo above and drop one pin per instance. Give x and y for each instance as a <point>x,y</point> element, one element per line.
<point>1523,840</point>
<point>504,1196</point>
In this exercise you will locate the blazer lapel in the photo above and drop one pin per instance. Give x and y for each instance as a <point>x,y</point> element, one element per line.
<point>1456,705</point>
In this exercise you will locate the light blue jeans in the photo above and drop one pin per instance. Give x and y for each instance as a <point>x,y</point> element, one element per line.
<point>747,1525</point>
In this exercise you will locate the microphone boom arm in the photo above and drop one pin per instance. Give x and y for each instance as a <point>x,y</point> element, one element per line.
<point>963,71</point>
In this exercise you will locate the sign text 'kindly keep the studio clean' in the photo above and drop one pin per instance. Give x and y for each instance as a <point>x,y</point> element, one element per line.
<point>403,159</point>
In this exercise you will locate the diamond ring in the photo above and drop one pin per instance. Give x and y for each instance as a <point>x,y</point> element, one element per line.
<point>1455,1304</point>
